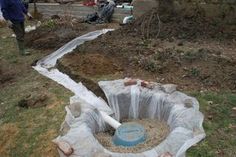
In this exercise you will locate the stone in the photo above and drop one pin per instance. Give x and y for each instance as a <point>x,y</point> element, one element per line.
<point>130,82</point>
<point>169,88</point>
<point>64,128</point>
<point>64,147</point>
<point>75,109</point>
<point>149,85</point>
<point>188,103</point>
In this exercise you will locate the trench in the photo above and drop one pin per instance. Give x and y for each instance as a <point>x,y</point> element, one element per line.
<point>46,67</point>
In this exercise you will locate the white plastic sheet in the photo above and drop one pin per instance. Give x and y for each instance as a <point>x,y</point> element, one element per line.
<point>46,65</point>
<point>185,121</point>
<point>134,101</point>
<point>1,17</point>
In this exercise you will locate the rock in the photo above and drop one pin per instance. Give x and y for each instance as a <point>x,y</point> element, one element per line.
<point>64,128</point>
<point>75,109</point>
<point>130,82</point>
<point>64,147</point>
<point>188,103</point>
<point>169,88</point>
<point>149,85</point>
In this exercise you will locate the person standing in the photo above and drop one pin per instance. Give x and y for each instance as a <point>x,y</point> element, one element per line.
<point>13,12</point>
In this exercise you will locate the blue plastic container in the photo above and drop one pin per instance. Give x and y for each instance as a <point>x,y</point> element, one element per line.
<point>129,134</point>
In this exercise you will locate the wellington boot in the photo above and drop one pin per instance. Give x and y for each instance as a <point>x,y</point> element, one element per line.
<point>21,47</point>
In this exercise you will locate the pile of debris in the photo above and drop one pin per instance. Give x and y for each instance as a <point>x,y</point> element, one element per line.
<point>180,24</point>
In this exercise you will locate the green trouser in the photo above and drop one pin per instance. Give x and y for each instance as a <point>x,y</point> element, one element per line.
<point>19,30</point>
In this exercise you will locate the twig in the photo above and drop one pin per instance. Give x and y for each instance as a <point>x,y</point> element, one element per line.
<point>149,24</point>
<point>159,26</point>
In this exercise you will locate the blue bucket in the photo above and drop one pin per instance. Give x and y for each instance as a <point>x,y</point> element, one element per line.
<point>129,134</point>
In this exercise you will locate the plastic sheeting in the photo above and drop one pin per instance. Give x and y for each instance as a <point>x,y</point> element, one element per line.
<point>180,111</point>
<point>45,66</point>
<point>1,17</point>
<point>177,109</point>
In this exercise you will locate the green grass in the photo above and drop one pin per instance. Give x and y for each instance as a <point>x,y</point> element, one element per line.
<point>219,117</point>
<point>27,132</point>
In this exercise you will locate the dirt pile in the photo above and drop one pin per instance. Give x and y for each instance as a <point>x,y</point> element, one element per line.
<point>186,51</point>
<point>156,131</point>
<point>181,24</point>
<point>54,33</point>
<point>191,66</point>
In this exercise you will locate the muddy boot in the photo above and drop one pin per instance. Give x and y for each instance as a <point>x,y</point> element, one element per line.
<point>21,47</point>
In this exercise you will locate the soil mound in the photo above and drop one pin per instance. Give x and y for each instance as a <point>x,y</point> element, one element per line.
<point>54,33</point>
<point>186,51</point>
<point>181,24</point>
<point>191,68</point>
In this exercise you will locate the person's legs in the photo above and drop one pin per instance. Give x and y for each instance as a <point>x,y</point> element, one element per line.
<point>19,30</point>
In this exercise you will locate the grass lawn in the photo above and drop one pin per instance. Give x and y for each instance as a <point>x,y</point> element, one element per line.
<point>29,132</point>
<point>219,124</point>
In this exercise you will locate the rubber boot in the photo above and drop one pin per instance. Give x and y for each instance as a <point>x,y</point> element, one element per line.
<point>21,47</point>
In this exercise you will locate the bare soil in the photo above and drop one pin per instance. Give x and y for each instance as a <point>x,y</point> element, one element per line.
<point>55,33</point>
<point>10,131</point>
<point>185,23</point>
<point>188,51</point>
<point>94,64</point>
<point>7,74</point>
<point>89,67</point>
<point>156,131</point>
